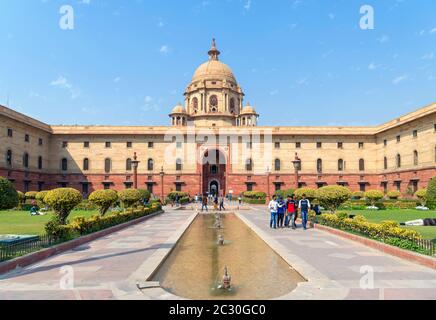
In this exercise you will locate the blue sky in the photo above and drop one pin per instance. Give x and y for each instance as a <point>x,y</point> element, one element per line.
<point>299,62</point>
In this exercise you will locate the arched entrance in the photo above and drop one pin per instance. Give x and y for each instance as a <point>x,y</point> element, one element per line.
<point>214,172</point>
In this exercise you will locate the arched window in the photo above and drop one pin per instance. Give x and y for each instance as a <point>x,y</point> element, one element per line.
<point>386,163</point>
<point>179,165</point>
<point>26,160</point>
<point>85,164</point>
<point>214,169</point>
<point>64,164</point>
<point>178,121</point>
<point>107,165</point>
<point>398,161</point>
<point>9,158</point>
<point>232,106</point>
<point>415,158</point>
<point>213,103</point>
<point>40,163</point>
<point>340,165</point>
<point>319,165</point>
<point>243,121</point>
<point>362,165</point>
<point>150,164</point>
<point>277,165</point>
<point>195,105</point>
<point>129,164</point>
<point>249,164</point>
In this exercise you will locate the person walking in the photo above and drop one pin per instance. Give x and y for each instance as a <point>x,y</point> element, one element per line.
<point>204,203</point>
<point>281,212</point>
<point>221,202</point>
<point>304,206</point>
<point>273,207</point>
<point>291,208</point>
<point>215,202</point>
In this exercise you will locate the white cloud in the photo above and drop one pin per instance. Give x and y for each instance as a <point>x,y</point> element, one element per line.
<point>117,79</point>
<point>433,31</point>
<point>332,16</point>
<point>428,56</point>
<point>62,83</point>
<point>372,66</point>
<point>247,5</point>
<point>399,79</point>
<point>164,49</point>
<point>383,39</point>
<point>274,92</point>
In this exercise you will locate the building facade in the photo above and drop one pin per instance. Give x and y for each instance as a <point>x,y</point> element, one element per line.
<point>214,144</point>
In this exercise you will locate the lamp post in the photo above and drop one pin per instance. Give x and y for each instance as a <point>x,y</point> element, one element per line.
<point>297,167</point>
<point>135,164</point>
<point>162,174</point>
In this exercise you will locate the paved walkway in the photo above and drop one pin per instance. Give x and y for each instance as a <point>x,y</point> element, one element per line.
<point>336,266</point>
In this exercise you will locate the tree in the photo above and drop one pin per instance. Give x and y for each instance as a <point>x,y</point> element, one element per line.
<point>331,197</point>
<point>62,201</point>
<point>431,194</point>
<point>145,194</point>
<point>310,193</point>
<point>40,197</point>
<point>358,195</point>
<point>394,195</point>
<point>373,196</point>
<point>8,195</point>
<point>422,196</point>
<point>129,197</point>
<point>103,199</point>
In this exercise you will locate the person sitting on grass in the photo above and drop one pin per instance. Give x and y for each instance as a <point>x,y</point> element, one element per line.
<point>428,222</point>
<point>34,211</point>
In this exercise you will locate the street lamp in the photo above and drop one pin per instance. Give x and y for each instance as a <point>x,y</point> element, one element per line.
<point>297,167</point>
<point>135,164</point>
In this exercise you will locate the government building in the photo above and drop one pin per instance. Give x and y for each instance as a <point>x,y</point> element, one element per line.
<point>214,144</point>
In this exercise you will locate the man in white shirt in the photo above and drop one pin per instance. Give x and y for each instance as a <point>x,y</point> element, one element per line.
<point>273,208</point>
<point>304,206</point>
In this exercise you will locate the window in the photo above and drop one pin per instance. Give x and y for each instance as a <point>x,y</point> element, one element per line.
<point>361,145</point>
<point>278,186</point>
<point>195,105</point>
<point>179,145</point>
<point>150,145</point>
<point>385,142</point>
<point>249,165</point>
<point>340,145</point>
<point>385,163</point>
<point>26,138</point>
<point>85,189</point>
<point>10,132</point>
<point>150,187</point>
<point>178,187</point>
<point>398,185</point>
<point>86,144</point>
<point>362,165</point>
<point>232,106</point>
<point>85,164</point>
<point>64,144</point>
<point>398,139</point>
<point>249,145</point>
<point>415,133</point>
<point>179,165</point>
<point>106,186</point>
<point>129,144</point>
<point>40,163</point>
<point>64,164</point>
<point>277,145</point>
<point>9,158</point>
<point>107,165</point>
<point>214,169</point>
<point>277,165</point>
<point>434,127</point>
<point>40,186</point>
<point>398,161</point>
<point>40,142</point>
<point>363,187</point>
<point>26,186</point>
<point>213,103</point>
<point>319,145</point>
<point>129,164</point>
<point>150,165</point>
<point>26,160</point>
<point>298,145</point>
<point>415,158</point>
<point>340,165</point>
<point>249,187</point>
<point>415,186</point>
<point>385,187</point>
<point>319,165</point>
<point>108,144</point>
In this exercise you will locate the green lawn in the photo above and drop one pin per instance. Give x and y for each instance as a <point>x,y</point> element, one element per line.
<point>400,216</point>
<point>20,222</point>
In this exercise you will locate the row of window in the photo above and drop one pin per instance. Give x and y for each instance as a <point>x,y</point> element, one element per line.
<point>10,134</point>
<point>108,144</point>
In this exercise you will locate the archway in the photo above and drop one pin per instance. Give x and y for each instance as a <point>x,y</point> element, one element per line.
<point>214,172</point>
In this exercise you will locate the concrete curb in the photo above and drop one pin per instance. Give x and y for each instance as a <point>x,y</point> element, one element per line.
<point>38,256</point>
<point>410,256</point>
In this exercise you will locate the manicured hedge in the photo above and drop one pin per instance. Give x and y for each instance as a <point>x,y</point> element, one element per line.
<point>254,201</point>
<point>254,195</point>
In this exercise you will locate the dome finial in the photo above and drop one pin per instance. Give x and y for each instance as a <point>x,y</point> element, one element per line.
<point>214,52</point>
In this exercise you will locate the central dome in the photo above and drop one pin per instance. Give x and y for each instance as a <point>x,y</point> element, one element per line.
<point>214,69</point>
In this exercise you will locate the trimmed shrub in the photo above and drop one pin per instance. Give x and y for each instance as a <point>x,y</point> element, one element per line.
<point>422,196</point>
<point>256,195</point>
<point>86,205</point>
<point>373,196</point>
<point>31,195</point>
<point>331,197</point>
<point>40,198</point>
<point>9,198</point>
<point>309,192</point>
<point>103,199</point>
<point>431,194</point>
<point>21,196</point>
<point>173,195</point>
<point>62,201</point>
<point>394,195</point>
<point>145,195</point>
<point>129,197</point>
<point>254,201</point>
<point>284,193</point>
<point>357,195</point>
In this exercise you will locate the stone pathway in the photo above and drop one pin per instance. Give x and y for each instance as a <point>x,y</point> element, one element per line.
<point>336,266</point>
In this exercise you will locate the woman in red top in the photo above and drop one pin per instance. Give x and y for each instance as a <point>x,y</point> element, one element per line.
<point>291,209</point>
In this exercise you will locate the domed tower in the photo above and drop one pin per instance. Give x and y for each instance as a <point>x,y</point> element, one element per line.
<point>179,116</point>
<point>248,117</point>
<point>214,98</point>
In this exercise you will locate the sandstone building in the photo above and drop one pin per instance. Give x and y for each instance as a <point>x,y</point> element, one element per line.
<point>215,145</point>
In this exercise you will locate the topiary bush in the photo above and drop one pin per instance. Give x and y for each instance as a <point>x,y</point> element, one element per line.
<point>284,193</point>
<point>394,195</point>
<point>62,201</point>
<point>145,195</point>
<point>422,196</point>
<point>40,197</point>
<point>9,198</point>
<point>31,195</point>
<point>431,194</point>
<point>331,197</point>
<point>173,194</point>
<point>103,199</point>
<point>309,192</point>
<point>357,195</point>
<point>373,196</point>
<point>129,197</point>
